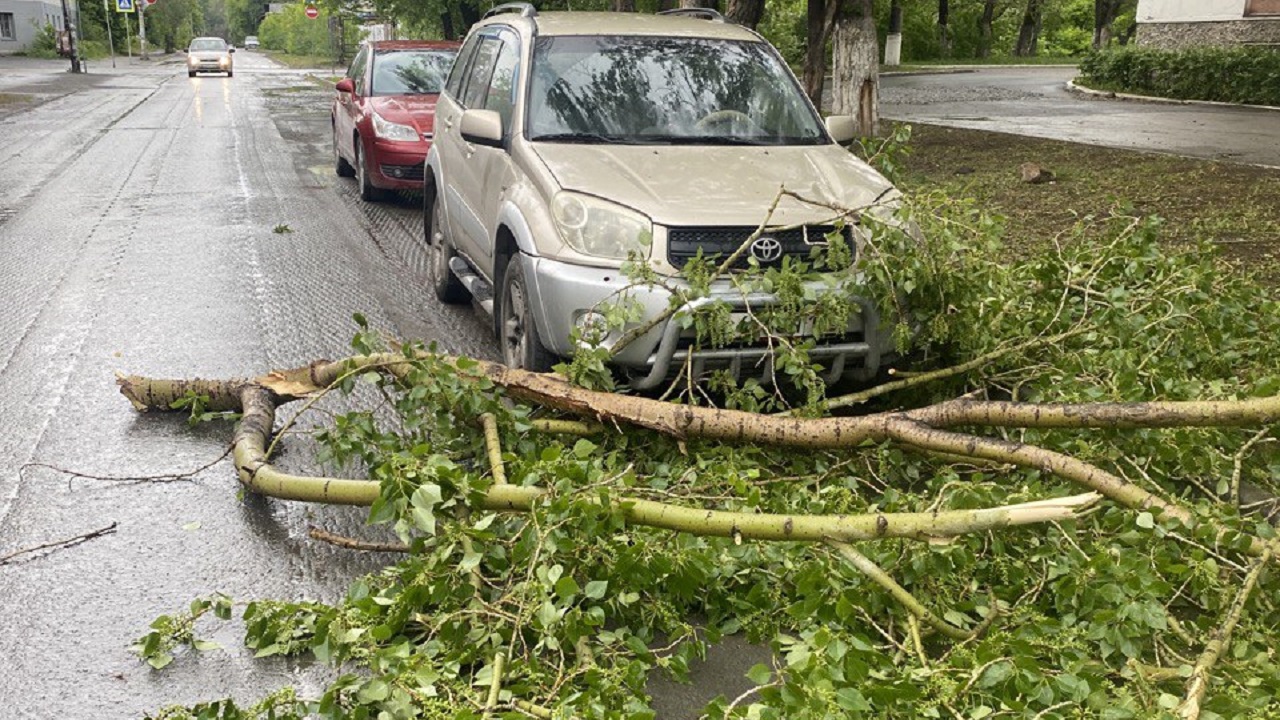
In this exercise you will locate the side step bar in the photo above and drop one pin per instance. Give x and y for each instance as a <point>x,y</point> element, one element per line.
<point>480,289</point>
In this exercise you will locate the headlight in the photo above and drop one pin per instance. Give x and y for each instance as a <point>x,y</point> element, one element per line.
<point>191,60</point>
<point>224,60</point>
<point>388,130</point>
<point>600,228</point>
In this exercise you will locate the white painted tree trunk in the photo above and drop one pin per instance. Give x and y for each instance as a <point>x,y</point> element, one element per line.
<point>855,68</point>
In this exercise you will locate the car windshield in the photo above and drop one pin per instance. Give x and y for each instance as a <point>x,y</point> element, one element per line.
<point>206,44</point>
<point>410,72</point>
<point>661,90</point>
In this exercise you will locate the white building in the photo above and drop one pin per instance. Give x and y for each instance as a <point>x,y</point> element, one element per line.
<point>1187,23</point>
<point>21,21</point>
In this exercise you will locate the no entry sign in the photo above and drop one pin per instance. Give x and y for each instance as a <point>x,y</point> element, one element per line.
<point>313,12</point>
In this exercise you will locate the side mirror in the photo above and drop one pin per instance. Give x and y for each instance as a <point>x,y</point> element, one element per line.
<point>842,128</point>
<point>184,51</point>
<point>482,127</point>
<point>231,49</point>
<point>346,86</point>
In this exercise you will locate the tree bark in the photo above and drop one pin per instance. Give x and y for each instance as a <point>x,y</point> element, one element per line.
<point>985,21</point>
<point>747,13</point>
<point>446,23</point>
<point>855,66</point>
<point>944,29</point>
<point>1029,32</point>
<point>1104,14</point>
<point>624,5</point>
<point>819,21</point>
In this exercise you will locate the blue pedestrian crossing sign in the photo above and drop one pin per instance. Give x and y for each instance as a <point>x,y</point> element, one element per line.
<point>124,6</point>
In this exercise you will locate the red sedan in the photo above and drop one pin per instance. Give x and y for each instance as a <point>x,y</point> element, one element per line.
<point>384,113</point>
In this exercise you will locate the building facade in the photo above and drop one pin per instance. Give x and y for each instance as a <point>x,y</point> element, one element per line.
<point>22,20</point>
<point>1193,23</point>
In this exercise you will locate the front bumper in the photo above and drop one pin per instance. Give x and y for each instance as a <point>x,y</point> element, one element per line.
<point>561,293</point>
<point>398,165</point>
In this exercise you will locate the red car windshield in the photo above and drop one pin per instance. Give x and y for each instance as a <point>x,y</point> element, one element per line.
<point>410,72</point>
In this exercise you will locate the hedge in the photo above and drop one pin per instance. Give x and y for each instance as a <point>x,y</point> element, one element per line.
<point>1249,75</point>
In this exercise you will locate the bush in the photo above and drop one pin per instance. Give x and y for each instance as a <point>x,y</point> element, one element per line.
<point>1247,75</point>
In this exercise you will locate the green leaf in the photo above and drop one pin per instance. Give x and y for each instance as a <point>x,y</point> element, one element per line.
<point>1146,520</point>
<point>760,673</point>
<point>596,589</point>
<point>566,588</point>
<point>374,691</point>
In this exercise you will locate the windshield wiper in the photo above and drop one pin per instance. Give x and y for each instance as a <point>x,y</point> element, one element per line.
<point>705,140</point>
<point>585,138</point>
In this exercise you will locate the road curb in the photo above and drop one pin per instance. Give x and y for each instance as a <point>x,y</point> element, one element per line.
<point>1131,97</point>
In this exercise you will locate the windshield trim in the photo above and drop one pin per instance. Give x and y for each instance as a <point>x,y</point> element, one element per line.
<point>823,137</point>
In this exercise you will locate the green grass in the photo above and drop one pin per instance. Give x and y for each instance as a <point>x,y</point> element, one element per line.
<point>13,98</point>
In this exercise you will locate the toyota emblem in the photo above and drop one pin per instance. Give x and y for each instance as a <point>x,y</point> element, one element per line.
<point>766,249</point>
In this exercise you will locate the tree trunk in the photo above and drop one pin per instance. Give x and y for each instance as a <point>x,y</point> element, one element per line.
<point>624,5</point>
<point>470,14</point>
<point>855,67</point>
<point>446,23</point>
<point>985,22</point>
<point>820,19</point>
<point>747,13</point>
<point>1029,33</point>
<point>1104,13</point>
<point>944,31</point>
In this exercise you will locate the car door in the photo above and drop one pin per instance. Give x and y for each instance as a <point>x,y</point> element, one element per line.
<point>492,169</point>
<point>463,189</point>
<point>448,144</point>
<point>345,114</point>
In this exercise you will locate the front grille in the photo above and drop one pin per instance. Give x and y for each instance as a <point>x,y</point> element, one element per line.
<point>403,172</point>
<point>718,242</point>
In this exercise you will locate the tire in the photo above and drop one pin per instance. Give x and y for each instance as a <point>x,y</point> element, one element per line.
<point>368,192</point>
<point>228,73</point>
<point>191,73</point>
<point>517,332</point>
<point>448,288</point>
<point>340,164</point>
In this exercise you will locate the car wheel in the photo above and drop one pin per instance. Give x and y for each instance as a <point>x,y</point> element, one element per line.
<point>518,335</point>
<point>228,73</point>
<point>448,288</point>
<point>191,73</point>
<point>340,164</point>
<point>368,192</point>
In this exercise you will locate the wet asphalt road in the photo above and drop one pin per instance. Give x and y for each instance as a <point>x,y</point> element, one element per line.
<point>1034,101</point>
<point>137,211</point>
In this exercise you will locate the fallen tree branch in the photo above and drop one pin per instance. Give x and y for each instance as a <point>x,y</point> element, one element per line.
<point>60,544</point>
<point>129,479</point>
<point>350,543</point>
<point>917,609</point>
<point>260,476</point>
<point>1198,684</point>
<point>923,427</point>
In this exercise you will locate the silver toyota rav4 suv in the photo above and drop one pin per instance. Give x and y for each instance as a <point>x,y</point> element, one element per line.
<point>567,142</point>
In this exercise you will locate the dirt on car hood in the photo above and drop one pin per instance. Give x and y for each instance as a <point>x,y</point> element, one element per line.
<point>699,185</point>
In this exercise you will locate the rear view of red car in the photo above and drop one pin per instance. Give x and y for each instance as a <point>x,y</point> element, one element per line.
<point>384,113</point>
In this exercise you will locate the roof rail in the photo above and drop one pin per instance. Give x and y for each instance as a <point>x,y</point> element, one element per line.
<point>704,13</point>
<point>525,9</point>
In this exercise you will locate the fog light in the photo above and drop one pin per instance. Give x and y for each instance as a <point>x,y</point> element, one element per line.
<point>592,327</point>
<point>397,172</point>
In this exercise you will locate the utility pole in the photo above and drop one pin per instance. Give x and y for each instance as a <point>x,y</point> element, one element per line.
<point>128,38</point>
<point>69,28</point>
<point>111,44</point>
